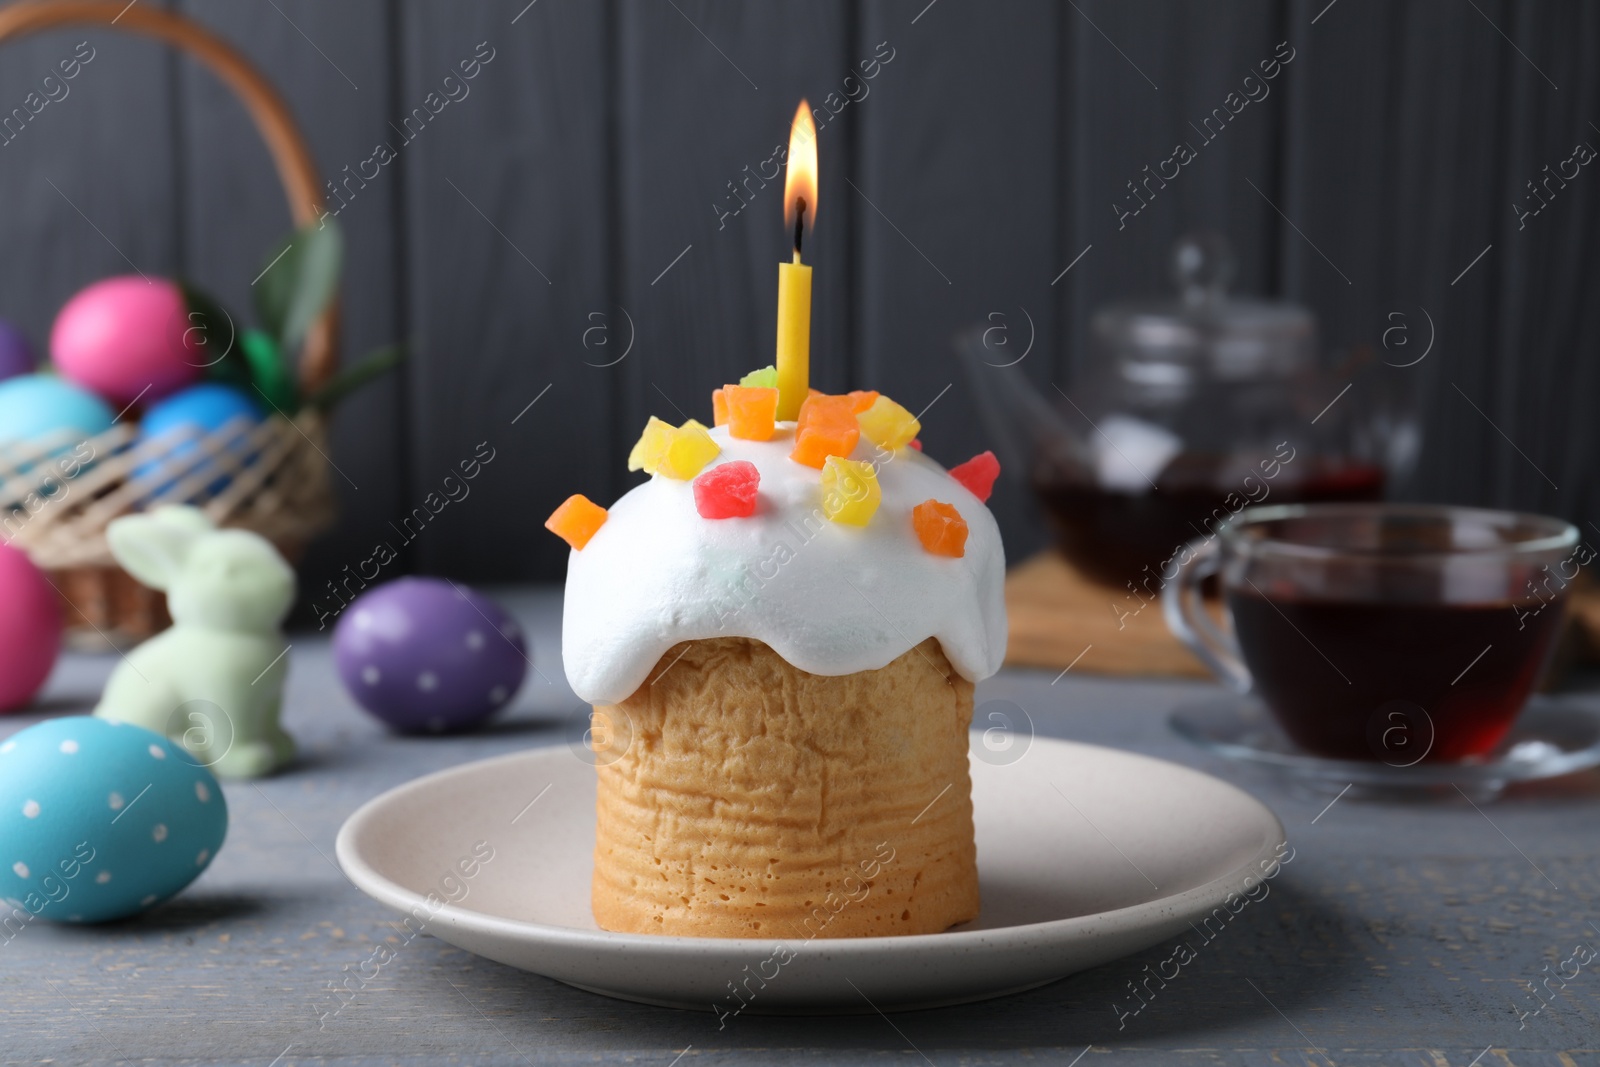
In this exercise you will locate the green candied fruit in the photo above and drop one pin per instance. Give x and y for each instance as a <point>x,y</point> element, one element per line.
<point>765,378</point>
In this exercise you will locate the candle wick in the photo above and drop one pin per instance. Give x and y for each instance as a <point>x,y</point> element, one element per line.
<point>799,224</point>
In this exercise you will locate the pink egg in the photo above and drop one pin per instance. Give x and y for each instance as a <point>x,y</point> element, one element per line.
<point>125,336</point>
<point>30,628</point>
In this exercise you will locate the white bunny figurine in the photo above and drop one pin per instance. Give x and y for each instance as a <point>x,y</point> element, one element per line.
<point>214,680</point>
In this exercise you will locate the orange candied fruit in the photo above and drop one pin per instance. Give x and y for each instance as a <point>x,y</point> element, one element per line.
<point>826,427</point>
<point>825,406</point>
<point>719,405</point>
<point>752,411</point>
<point>863,398</point>
<point>576,520</point>
<point>940,528</point>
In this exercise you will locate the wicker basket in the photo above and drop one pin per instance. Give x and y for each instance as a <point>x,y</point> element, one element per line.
<point>270,477</point>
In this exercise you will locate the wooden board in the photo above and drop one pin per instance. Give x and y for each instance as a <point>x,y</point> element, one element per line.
<point>1059,619</point>
<point>1398,935</point>
<point>507,217</point>
<point>705,94</point>
<point>341,95</point>
<point>91,181</point>
<point>957,213</point>
<point>993,144</point>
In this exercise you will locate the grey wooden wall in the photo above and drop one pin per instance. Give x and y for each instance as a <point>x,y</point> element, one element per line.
<point>567,210</point>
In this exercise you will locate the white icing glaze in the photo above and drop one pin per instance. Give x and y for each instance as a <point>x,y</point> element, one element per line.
<point>830,599</point>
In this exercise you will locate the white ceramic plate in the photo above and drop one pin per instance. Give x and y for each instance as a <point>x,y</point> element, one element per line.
<point>1085,854</point>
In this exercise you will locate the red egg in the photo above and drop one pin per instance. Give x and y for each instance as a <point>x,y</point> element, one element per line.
<point>30,628</point>
<point>128,338</point>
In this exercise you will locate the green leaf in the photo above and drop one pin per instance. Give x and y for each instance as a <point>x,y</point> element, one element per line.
<point>268,371</point>
<point>297,282</point>
<point>210,336</point>
<point>374,364</point>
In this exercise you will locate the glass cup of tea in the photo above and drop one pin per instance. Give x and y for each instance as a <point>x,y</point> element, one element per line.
<point>1392,632</point>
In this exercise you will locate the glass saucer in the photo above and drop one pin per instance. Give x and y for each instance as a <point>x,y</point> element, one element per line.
<point>1550,738</point>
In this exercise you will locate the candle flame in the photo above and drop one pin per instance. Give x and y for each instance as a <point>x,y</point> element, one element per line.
<point>800,183</point>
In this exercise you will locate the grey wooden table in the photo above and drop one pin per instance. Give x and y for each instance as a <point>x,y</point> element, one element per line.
<point>1398,934</point>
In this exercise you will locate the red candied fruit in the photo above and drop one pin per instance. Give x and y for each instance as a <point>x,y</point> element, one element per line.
<point>727,491</point>
<point>978,474</point>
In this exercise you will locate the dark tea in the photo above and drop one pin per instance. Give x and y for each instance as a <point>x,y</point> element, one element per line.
<point>1398,682</point>
<point>1115,535</point>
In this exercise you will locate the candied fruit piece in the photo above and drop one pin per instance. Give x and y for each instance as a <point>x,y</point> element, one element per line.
<point>887,424</point>
<point>651,447</point>
<point>915,443</point>
<point>863,398</point>
<point>824,406</point>
<point>688,450</point>
<point>727,491</point>
<point>850,492</point>
<point>576,520</point>
<point>940,528</point>
<point>765,378</point>
<point>719,405</point>
<point>978,474</point>
<point>824,436</point>
<point>752,411</point>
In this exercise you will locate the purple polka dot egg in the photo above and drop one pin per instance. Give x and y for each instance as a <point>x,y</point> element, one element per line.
<point>426,655</point>
<point>100,820</point>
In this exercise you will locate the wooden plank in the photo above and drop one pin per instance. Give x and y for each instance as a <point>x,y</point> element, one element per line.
<point>1540,378</point>
<point>1141,79</point>
<point>1424,911</point>
<point>1060,620</point>
<point>1395,176</point>
<point>707,91</point>
<point>333,65</point>
<point>957,213</point>
<point>90,176</point>
<point>509,230</point>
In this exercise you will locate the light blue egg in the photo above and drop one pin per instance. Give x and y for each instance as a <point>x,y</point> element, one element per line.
<point>206,408</point>
<point>100,820</point>
<point>34,407</point>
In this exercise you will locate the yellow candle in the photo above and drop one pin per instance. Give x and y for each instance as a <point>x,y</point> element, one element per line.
<point>794,279</point>
<point>794,337</point>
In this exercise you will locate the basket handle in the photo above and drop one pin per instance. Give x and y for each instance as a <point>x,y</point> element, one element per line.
<point>297,172</point>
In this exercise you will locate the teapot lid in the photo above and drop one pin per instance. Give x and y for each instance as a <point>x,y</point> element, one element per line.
<point>1246,333</point>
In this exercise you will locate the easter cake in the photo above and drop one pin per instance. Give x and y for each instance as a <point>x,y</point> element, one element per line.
<point>780,632</point>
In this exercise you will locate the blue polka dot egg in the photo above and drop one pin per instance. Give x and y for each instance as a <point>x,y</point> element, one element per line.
<point>100,820</point>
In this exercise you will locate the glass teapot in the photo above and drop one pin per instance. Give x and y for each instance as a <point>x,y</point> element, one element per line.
<point>1192,410</point>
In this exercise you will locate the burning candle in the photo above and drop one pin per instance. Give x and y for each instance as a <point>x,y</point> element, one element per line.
<point>794,278</point>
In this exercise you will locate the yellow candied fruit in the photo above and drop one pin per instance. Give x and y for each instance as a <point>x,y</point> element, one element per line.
<point>850,492</point>
<point>576,520</point>
<point>651,447</point>
<point>887,424</point>
<point>689,449</point>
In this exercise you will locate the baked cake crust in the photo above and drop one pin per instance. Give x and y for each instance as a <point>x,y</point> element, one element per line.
<point>740,796</point>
